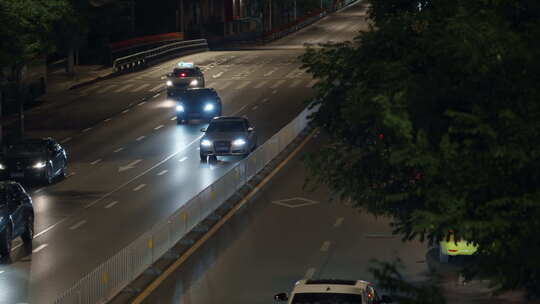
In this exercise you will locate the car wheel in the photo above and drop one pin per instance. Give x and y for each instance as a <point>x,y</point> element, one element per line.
<point>444,258</point>
<point>28,234</point>
<point>212,159</point>
<point>5,243</point>
<point>204,157</point>
<point>63,173</point>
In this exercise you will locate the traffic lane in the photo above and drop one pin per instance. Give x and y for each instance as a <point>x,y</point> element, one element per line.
<point>15,278</point>
<point>105,229</point>
<point>277,240</point>
<point>337,27</point>
<point>98,171</point>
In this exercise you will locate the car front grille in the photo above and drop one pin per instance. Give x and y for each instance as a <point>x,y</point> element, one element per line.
<point>222,146</point>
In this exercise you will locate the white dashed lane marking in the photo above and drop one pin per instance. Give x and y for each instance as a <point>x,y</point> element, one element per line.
<point>139,187</point>
<point>338,222</point>
<point>105,89</point>
<point>127,86</point>
<point>141,103</point>
<point>265,100</point>
<point>125,111</point>
<point>173,118</point>
<point>140,138</point>
<point>261,84</point>
<point>154,89</point>
<point>79,224</point>
<point>182,159</point>
<point>277,84</point>
<point>111,204</point>
<point>217,75</point>
<point>254,108</point>
<point>118,150</point>
<point>39,248</point>
<point>243,85</point>
<point>86,130</point>
<point>108,119</point>
<point>325,246</point>
<point>163,172</point>
<point>158,127</point>
<point>295,83</point>
<point>311,83</point>
<point>95,162</point>
<point>140,88</point>
<point>65,140</point>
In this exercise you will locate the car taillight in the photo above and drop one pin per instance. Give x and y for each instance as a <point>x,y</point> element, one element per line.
<point>182,74</point>
<point>452,250</point>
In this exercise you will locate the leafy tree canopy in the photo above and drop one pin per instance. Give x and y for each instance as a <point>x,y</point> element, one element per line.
<point>433,118</point>
<point>28,27</point>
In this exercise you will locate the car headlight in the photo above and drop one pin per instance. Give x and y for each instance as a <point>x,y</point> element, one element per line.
<point>194,82</point>
<point>239,142</point>
<point>208,107</point>
<point>2,167</point>
<point>169,83</point>
<point>179,108</point>
<point>39,165</point>
<point>206,143</point>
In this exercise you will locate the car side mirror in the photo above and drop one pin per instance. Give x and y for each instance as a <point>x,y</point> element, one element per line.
<point>281,297</point>
<point>203,130</point>
<point>250,129</point>
<point>385,299</point>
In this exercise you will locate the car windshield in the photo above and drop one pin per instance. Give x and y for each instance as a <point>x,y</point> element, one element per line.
<point>26,148</point>
<point>326,298</point>
<point>226,126</point>
<point>184,73</point>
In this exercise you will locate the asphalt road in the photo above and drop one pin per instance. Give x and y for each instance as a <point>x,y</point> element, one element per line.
<point>131,165</point>
<point>284,235</point>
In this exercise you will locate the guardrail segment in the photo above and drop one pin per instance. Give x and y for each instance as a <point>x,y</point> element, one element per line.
<point>109,278</point>
<point>142,59</point>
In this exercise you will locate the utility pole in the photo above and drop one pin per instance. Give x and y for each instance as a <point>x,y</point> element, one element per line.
<point>294,10</point>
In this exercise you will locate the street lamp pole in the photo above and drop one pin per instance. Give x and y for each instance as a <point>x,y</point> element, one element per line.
<point>294,9</point>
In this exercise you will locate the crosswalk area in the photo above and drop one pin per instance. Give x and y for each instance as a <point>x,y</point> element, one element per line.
<point>229,84</point>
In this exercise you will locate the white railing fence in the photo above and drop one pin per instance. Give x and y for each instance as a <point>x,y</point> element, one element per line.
<point>109,278</point>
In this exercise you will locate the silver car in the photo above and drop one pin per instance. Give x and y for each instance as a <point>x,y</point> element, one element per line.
<point>184,77</point>
<point>228,135</point>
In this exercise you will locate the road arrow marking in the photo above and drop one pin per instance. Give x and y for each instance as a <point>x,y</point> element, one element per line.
<point>130,166</point>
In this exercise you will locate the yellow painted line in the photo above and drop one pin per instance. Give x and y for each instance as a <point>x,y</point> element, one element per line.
<point>172,268</point>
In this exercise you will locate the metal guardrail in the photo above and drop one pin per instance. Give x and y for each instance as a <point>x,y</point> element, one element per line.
<point>142,59</point>
<point>109,278</point>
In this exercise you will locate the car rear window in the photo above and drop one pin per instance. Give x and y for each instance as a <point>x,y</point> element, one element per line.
<point>184,72</point>
<point>326,298</point>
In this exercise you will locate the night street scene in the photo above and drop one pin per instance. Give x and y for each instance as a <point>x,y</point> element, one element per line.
<point>270,151</point>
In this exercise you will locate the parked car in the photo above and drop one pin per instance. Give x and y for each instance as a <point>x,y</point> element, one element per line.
<point>451,248</point>
<point>200,103</point>
<point>41,159</point>
<point>228,135</point>
<point>332,291</point>
<point>16,217</point>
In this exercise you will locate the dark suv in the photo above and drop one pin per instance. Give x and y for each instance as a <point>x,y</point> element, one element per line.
<point>202,103</point>
<point>16,217</point>
<point>34,159</point>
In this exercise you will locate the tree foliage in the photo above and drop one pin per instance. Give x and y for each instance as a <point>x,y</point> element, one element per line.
<point>433,117</point>
<point>28,27</point>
